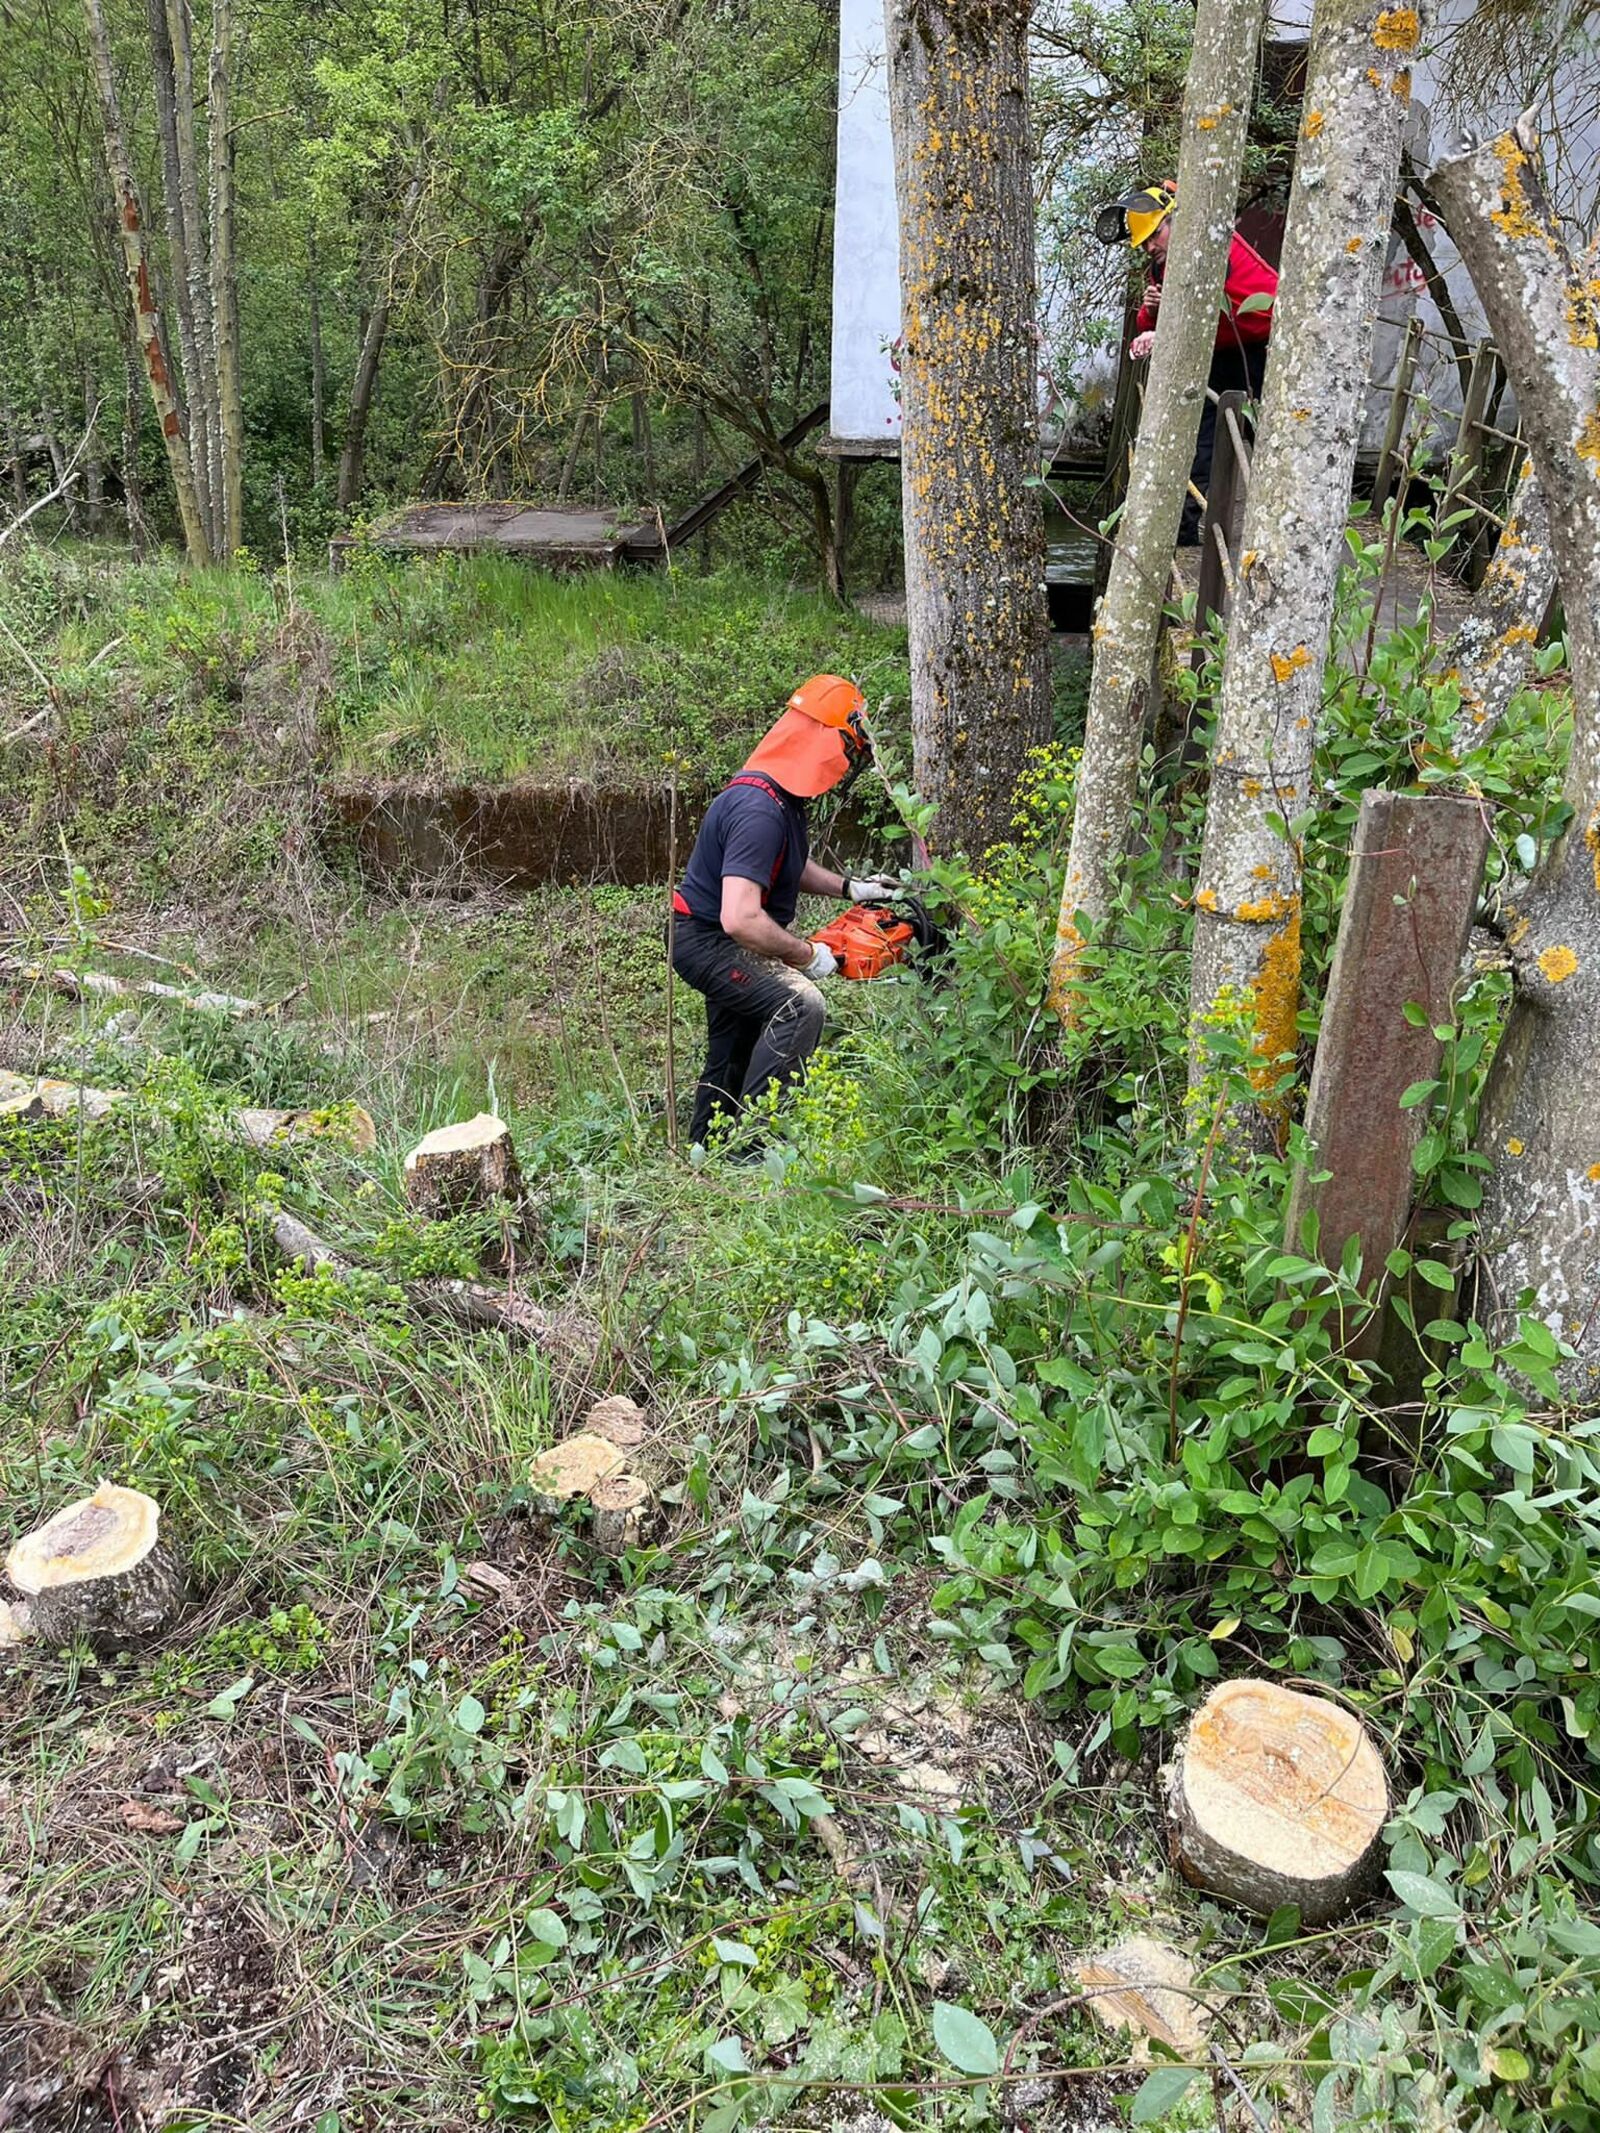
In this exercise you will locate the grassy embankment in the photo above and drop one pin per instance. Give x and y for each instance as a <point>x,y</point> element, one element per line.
<point>985,1461</point>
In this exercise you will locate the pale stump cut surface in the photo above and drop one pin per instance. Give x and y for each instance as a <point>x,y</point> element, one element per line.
<point>462,1166</point>
<point>99,1569</point>
<point>609,1469</point>
<point>1278,1798</point>
<point>1145,1988</point>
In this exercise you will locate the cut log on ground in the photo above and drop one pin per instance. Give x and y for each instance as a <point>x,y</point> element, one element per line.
<point>30,1096</point>
<point>1277,1798</point>
<point>99,1570</point>
<point>464,1303</point>
<point>607,1469</point>
<point>100,984</point>
<point>467,1165</point>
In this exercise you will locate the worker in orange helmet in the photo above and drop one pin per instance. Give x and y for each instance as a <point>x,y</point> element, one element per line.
<point>735,905</point>
<point>1143,219</point>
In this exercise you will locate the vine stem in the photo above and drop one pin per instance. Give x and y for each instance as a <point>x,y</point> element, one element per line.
<point>1189,1243</point>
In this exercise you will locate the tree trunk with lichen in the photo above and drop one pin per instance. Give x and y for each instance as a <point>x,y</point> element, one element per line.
<point>1540,1121</point>
<point>1216,111</point>
<point>974,532</point>
<point>1247,917</point>
<point>1492,650</point>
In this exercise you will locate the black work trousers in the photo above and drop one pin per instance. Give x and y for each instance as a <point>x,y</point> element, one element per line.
<point>762,1020</point>
<point>1232,370</point>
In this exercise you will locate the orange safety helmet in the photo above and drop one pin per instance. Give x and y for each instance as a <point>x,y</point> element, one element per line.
<point>818,741</point>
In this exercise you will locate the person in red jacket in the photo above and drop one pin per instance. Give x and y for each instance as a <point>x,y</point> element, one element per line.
<point>1143,219</point>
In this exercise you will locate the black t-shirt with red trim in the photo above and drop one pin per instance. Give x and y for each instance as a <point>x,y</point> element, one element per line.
<point>756,830</point>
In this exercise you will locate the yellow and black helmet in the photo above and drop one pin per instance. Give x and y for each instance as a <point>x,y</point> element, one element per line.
<point>1136,217</point>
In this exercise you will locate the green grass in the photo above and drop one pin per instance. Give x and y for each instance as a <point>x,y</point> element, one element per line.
<point>960,1524</point>
<point>471,668</point>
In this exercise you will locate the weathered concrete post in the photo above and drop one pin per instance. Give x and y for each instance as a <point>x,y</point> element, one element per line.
<point>1414,873</point>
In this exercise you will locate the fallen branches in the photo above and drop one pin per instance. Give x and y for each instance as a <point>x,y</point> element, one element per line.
<point>100,984</point>
<point>27,1096</point>
<point>464,1303</point>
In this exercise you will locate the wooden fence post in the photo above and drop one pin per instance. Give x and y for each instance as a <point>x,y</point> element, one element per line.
<point>1415,865</point>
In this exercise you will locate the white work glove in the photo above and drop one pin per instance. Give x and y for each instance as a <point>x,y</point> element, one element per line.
<point>823,961</point>
<point>872,889</point>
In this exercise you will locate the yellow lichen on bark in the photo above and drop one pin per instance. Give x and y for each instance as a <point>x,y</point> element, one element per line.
<point>1516,215</point>
<point>1315,121</point>
<point>1557,964</point>
<point>1275,1004</point>
<point>1398,29</point>
<point>1285,664</point>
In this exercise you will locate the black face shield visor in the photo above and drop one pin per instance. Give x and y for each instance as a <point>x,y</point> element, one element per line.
<point>1111,224</point>
<point>857,749</point>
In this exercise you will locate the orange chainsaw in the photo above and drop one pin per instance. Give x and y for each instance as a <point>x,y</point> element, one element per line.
<point>867,940</point>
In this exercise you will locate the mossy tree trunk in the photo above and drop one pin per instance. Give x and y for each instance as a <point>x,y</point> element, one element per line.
<point>1216,113</point>
<point>1540,1117</point>
<point>1247,925</point>
<point>974,532</point>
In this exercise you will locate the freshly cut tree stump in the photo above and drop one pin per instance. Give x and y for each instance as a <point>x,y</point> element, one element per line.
<point>572,1468</point>
<point>461,1166</point>
<point>622,1506</point>
<point>619,1420</point>
<point>100,1570</point>
<point>1278,1798</point>
<point>607,1468</point>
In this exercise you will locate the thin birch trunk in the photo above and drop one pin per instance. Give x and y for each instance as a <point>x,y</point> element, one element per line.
<point>1247,907</point>
<point>1540,1124</point>
<point>196,385</point>
<point>1216,113</point>
<point>969,455</point>
<point>319,373</point>
<point>141,290</point>
<point>94,486</point>
<point>225,282</point>
<point>207,416</point>
<point>19,473</point>
<point>1493,647</point>
<point>132,410</point>
<point>352,456</point>
<point>569,465</point>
